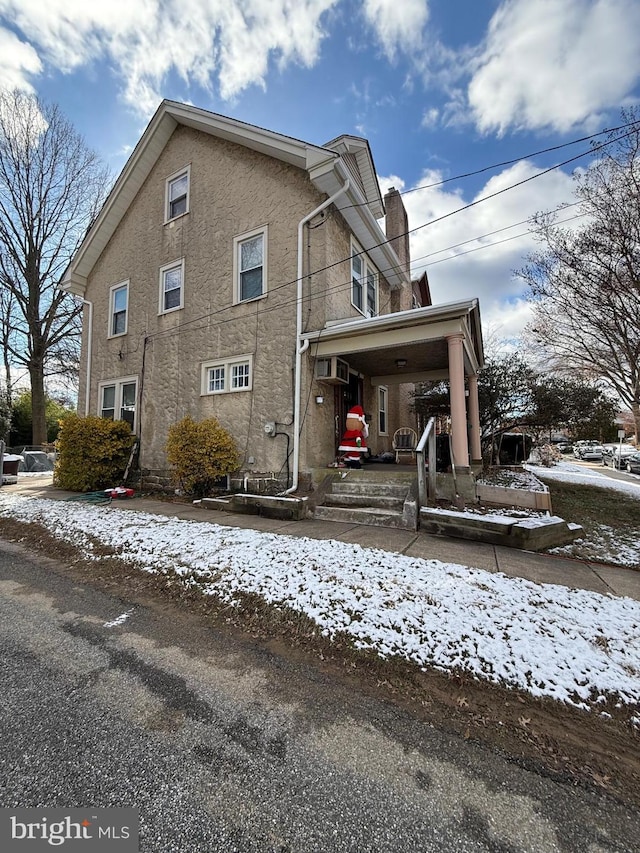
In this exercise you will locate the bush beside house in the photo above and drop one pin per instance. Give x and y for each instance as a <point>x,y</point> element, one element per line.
<point>92,453</point>
<point>199,453</point>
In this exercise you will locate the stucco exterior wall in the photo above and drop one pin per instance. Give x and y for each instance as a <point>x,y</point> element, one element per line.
<point>233,190</point>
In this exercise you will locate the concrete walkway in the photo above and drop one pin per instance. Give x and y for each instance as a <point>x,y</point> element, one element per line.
<point>540,568</point>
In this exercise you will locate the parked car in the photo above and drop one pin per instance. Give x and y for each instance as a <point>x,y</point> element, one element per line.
<point>565,447</point>
<point>617,456</point>
<point>589,451</point>
<point>633,463</point>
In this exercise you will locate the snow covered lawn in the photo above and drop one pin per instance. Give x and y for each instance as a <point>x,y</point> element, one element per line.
<point>619,544</point>
<point>574,646</point>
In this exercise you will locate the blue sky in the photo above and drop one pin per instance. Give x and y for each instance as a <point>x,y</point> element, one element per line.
<point>438,87</point>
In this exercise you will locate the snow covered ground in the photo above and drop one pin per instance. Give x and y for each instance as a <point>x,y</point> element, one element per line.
<point>575,646</point>
<point>620,547</point>
<point>569,472</point>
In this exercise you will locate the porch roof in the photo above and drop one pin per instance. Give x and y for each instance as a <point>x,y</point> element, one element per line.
<point>378,346</point>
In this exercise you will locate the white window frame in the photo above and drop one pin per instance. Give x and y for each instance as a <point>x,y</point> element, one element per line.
<point>368,280</point>
<point>118,385</point>
<point>228,379</point>
<point>383,409</point>
<point>112,312</point>
<point>164,269</point>
<point>186,171</point>
<point>237,244</point>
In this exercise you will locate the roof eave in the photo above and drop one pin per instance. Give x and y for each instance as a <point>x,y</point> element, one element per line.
<point>328,178</point>
<point>167,117</point>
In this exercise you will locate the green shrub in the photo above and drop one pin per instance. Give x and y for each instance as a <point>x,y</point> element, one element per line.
<point>199,453</point>
<point>92,453</point>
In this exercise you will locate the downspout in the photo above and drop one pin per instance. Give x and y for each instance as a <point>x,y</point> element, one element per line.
<point>302,348</point>
<point>87,389</point>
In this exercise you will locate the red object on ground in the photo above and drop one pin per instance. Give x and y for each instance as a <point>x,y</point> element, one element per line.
<point>119,492</point>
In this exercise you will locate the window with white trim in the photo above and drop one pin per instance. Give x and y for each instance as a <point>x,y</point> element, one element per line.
<point>177,194</point>
<point>172,286</point>
<point>383,401</point>
<point>225,376</point>
<point>118,400</point>
<point>250,265</point>
<point>118,309</point>
<point>364,283</point>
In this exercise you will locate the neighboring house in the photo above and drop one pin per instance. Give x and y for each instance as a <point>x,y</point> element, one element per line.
<point>238,273</point>
<point>421,291</point>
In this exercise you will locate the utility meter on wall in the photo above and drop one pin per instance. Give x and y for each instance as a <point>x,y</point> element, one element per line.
<point>270,428</point>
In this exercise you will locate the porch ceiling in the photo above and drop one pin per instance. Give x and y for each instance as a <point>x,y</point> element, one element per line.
<point>418,336</point>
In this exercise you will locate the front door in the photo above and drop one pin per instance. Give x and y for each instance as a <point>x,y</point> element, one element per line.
<point>345,397</point>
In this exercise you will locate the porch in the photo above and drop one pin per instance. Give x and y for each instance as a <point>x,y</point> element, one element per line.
<point>417,345</point>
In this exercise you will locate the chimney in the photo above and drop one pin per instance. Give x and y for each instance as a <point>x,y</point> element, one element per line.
<point>397,226</point>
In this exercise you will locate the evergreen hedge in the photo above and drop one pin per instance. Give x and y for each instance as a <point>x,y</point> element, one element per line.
<point>199,453</point>
<point>92,453</point>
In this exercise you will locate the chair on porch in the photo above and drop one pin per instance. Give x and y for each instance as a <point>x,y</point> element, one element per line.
<point>404,442</point>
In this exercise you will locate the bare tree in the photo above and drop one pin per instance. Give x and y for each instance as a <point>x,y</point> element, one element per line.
<point>585,284</point>
<point>51,188</point>
<point>7,336</point>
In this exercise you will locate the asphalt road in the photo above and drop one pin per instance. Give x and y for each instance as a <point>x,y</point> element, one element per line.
<point>224,745</point>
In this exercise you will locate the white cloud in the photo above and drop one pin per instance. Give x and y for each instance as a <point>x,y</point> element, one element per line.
<point>208,42</point>
<point>553,64</point>
<point>483,266</point>
<point>398,23</point>
<point>430,118</point>
<point>18,62</point>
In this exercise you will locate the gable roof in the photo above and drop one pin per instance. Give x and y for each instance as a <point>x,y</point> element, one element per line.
<point>328,168</point>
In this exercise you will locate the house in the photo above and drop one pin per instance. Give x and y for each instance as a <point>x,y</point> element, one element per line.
<point>239,273</point>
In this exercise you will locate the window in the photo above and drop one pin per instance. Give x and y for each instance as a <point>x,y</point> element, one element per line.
<point>118,309</point>
<point>118,400</point>
<point>356,282</point>
<point>224,376</point>
<point>364,283</point>
<point>383,394</point>
<point>177,195</point>
<point>250,265</point>
<point>171,286</point>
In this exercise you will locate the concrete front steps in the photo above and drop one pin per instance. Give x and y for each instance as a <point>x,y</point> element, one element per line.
<point>357,497</point>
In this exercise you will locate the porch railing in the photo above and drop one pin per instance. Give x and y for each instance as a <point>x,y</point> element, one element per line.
<point>427,472</point>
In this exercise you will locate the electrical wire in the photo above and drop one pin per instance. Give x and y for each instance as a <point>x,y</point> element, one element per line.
<point>592,150</point>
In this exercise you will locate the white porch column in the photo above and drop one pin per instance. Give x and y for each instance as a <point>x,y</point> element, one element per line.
<point>457,399</point>
<point>474,418</point>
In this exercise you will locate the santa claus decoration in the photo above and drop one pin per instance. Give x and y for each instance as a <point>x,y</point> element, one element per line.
<point>354,440</point>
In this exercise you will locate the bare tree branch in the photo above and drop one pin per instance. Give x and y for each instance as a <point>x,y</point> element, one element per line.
<point>51,188</point>
<point>585,284</point>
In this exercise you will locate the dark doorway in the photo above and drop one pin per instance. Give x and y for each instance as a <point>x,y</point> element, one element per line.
<point>346,396</point>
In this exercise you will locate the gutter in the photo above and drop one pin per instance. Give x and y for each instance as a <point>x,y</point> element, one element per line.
<point>302,346</point>
<point>87,389</point>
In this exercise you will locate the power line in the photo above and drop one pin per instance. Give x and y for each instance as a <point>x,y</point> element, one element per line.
<point>495,242</point>
<point>519,159</point>
<point>497,231</point>
<point>410,231</point>
<point>511,162</point>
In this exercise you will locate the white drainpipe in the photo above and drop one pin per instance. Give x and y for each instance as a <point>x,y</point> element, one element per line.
<point>301,348</point>
<point>87,390</point>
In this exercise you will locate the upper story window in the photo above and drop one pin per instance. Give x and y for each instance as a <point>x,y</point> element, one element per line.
<point>250,265</point>
<point>118,309</point>
<point>177,194</point>
<point>118,400</point>
<point>224,376</point>
<point>172,286</point>
<point>364,283</point>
